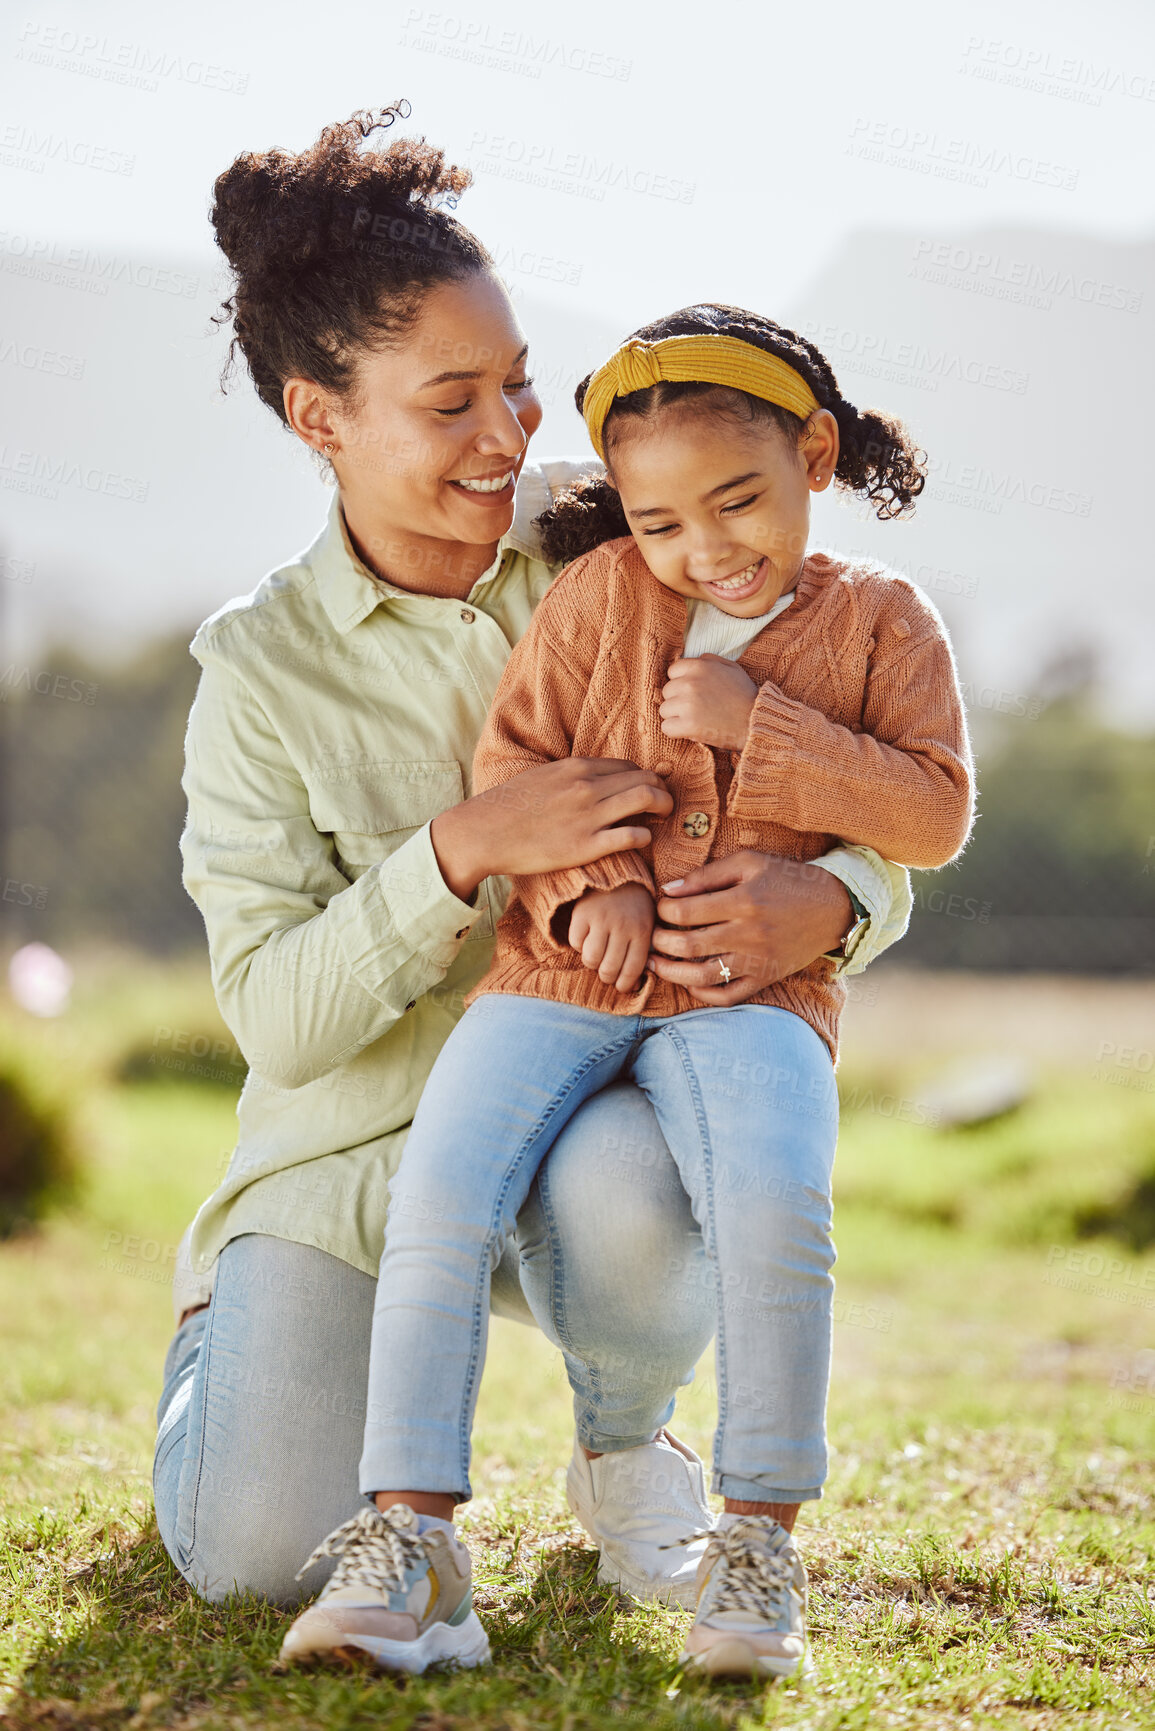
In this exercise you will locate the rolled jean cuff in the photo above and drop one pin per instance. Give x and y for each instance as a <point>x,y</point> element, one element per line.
<point>612,1445</point>
<point>750,1491</point>
<point>379,1472</point>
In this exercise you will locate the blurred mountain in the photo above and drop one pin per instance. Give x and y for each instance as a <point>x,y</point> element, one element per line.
<point>135,498</point>
<point>1019,359</point>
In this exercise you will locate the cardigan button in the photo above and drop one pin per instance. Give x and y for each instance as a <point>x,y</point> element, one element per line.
<point>664,768</point>
<point>697,824</point>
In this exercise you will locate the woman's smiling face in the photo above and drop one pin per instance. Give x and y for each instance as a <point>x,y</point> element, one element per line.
<point>719,507</point>
<point>431,440</point>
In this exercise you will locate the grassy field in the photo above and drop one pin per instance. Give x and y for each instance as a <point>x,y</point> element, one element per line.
<point>982,1557</point>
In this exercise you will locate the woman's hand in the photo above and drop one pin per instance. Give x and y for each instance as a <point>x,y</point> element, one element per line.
<point>612,930</point>
<point>764,917</point>
<point>710,699</point>
<point>554,815</point>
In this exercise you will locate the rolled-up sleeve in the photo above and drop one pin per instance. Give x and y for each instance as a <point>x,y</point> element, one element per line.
<point>883,889</point>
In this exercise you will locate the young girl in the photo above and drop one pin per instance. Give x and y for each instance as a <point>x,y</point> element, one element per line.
<point>787,699</point>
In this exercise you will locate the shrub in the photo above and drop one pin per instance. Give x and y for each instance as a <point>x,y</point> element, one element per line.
<point>37,1160</point>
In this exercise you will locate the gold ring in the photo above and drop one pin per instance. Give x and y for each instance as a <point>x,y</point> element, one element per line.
<point>725,971</point>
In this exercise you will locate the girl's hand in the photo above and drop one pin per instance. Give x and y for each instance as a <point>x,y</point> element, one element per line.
<point>549,817</point>
<point>710,699</point>
<point>612,930</point>
<point>765,917</point>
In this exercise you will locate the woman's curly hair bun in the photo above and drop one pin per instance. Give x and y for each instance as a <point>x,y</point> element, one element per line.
<point>333,248</point>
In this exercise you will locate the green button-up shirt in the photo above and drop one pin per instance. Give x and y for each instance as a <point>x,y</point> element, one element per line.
<point>336,716</point>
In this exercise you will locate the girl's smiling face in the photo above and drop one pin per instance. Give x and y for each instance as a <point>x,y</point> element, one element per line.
<point>719,507</point>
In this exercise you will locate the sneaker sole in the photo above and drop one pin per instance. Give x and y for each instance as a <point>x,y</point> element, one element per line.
<point>734,1658</point>
<point>466,1645</point>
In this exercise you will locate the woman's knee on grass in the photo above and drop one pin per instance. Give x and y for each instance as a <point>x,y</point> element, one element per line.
<point>257,1553</point>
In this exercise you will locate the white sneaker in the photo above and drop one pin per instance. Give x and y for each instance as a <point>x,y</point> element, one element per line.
<point>402,1597</point>
<point>751,1619</point>
<point>646,1510</point>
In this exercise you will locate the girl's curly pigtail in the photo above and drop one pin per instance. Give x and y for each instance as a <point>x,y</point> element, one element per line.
<point>584,514</point>
<point>877,460</point>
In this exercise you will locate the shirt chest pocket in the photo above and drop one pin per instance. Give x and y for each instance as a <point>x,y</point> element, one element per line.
<point>372,809</point>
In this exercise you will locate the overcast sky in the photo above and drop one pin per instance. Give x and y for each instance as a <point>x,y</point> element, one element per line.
<point>687,151</point>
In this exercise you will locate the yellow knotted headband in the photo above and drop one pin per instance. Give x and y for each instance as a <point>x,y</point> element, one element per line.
<point>706,360</point>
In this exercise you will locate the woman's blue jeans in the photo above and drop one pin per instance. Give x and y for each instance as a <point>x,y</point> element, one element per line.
<point>262,1417</point>
<point>746,1101</point>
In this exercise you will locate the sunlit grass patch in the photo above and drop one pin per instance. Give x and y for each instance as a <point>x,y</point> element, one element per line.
<point>981,1557</point>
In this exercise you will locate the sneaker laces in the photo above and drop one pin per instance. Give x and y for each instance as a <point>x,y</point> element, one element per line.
<point>374,1549</point>
<point>754,1573</point>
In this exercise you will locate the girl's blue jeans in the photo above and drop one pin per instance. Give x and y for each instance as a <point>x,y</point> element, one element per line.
<point>746,1101</point>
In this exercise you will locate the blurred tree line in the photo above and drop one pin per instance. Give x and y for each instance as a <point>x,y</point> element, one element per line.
<point>91,809</point>
<point>1059,875</point>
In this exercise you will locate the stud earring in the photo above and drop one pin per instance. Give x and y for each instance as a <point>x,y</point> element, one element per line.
<point>328,450</point>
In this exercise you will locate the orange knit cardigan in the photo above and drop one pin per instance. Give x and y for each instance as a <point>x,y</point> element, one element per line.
<point>857,735</point>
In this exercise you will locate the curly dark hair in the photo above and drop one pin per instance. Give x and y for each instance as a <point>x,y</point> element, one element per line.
<point>876,459</point>
<point>333,250</point>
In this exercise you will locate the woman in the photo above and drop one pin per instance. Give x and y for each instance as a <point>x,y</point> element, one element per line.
<point>350,886</point>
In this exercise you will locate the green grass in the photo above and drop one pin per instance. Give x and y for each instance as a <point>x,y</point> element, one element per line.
<point>982,1557</point>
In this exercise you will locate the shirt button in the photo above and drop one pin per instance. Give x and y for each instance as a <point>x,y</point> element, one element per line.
<point>412,1004</point>
<point>468,615</point>
<point>697,824</point>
